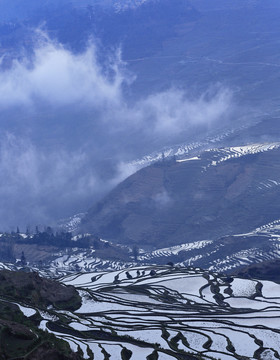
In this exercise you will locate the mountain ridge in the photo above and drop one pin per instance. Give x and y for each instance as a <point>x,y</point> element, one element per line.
<point>204,198</point>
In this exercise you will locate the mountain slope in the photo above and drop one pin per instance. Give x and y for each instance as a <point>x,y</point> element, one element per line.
<point>221,192</point>
<point>175,313</point>
<point>148,312</point>
<point>25,301</point>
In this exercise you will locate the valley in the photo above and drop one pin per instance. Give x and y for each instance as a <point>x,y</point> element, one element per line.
<point>187,210</point>
<point>139,180</point>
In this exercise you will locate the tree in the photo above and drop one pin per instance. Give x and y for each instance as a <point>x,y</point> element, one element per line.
<point>23,259</point>
<point>49,230</point>
<point>135,252</point>
<point>152,272</point>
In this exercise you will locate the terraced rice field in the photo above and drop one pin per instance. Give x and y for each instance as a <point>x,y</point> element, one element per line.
<point>170,313</point>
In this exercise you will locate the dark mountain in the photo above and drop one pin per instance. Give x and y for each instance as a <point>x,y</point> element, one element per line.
<point>21,336</point>
<point>223,192</point>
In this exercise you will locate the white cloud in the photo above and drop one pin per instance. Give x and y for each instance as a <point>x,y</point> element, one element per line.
<point>162,199</point>
<point>57,76</point>
<point>35,184</point>
<point>35,180</point>
<point>171,111</point>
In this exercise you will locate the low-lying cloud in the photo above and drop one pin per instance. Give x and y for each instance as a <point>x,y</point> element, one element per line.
<point>58,77</point>
<point>52,165</point>
<point>36,186</point>
<point>171,111</point>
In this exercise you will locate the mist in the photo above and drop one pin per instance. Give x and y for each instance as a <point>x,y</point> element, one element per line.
<point>69,130</point>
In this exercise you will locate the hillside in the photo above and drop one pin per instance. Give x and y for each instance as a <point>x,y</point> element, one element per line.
<point>25,298</point>
<point>37,291</point>
<point>144,312</point>
<point>221,192</point>
<point>165,313</point>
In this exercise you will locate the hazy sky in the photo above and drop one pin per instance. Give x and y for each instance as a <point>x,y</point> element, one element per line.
<point>68,130</point>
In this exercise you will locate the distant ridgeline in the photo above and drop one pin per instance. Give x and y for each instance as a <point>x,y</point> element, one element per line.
<point>10,243</point>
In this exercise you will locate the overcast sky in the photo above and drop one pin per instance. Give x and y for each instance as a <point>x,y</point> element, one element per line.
<point>68,130</point>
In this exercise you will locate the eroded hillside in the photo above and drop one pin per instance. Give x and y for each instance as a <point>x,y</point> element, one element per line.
<point>221,192</point>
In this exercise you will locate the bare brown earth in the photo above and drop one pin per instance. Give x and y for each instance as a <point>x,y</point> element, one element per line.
<point>34,289</point>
